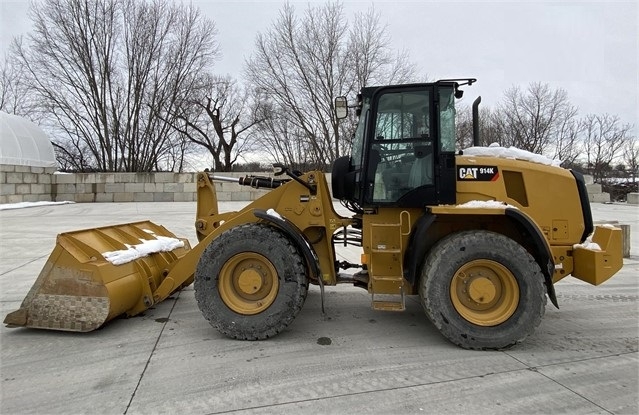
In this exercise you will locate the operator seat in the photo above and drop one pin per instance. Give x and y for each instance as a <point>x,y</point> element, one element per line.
<point>421,172</point>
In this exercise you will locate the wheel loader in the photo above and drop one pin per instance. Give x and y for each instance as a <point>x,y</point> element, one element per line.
<point>479,236</point>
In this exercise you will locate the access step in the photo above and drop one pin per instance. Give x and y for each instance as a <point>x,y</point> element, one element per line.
<point>389,302</point>
<point>389,305</point>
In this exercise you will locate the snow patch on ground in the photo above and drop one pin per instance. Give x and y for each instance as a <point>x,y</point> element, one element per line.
<point>147,247</point>
<point>494,150</point>
<point>485,204</point>
<point>21,205</point>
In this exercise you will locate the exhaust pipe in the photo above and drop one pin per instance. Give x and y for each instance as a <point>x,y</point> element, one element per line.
<point>476,122</point>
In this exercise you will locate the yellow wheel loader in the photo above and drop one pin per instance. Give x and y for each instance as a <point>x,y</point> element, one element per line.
<point>480,235</point>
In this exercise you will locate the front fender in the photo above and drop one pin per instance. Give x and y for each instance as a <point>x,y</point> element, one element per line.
<point>296,236</point>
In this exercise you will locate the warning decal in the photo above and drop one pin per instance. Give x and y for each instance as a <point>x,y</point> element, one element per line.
<point>478,173</point>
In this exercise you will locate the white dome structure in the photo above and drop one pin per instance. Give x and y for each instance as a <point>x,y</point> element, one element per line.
<point>23,143</point>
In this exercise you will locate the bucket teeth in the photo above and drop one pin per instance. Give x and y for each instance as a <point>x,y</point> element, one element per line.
<point>61,312</point>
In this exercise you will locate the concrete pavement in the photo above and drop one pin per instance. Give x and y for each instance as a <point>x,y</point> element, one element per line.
<point>582,359</point>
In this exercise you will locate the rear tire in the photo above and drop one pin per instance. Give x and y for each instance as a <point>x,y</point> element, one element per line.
<point>482,290</point>
<point>251,282</point>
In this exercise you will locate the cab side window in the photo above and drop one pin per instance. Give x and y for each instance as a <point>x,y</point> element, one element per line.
<point>447,119</point>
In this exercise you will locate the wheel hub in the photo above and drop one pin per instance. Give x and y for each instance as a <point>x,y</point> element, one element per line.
<point>249,281</point>
<point>481,290</point>
<point>484,292</point>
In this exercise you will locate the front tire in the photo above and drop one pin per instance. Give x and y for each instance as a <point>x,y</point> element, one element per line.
<point>251,282</point>
<point>482,290</point>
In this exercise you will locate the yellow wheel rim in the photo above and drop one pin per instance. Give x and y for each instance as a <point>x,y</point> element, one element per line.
<point>248,283</point>
<point>484,292</point>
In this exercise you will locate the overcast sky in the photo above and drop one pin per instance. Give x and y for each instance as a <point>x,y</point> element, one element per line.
<point>588,48</point>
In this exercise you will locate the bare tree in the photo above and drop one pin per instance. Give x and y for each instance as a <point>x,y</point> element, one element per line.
<point>15,94</point>
<point>604,137</point>
<point>544,121</point>
<point>371,57</point>
<point>488,127</point>
<point>463,127</point>
<point>103,69</point>
<point>631,157</point>
<point>533,120</point>
<point>283,141</point>
<point>302,63</point>
<point>220,116</point>
<point>566,145</point>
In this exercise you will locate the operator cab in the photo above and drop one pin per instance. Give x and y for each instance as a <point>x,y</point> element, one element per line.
<point>404,147</point>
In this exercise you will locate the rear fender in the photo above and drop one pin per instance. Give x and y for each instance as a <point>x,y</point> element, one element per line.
<point>540,249</point>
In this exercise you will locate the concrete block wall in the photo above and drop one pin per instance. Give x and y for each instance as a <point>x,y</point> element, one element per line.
<point>34,184</point>
<point>595,194</point>
<point>25,184</point>
<point>144,187</point>
<point>123,187</point>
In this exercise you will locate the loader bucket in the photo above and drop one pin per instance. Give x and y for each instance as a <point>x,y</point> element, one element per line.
<point>79,289</point>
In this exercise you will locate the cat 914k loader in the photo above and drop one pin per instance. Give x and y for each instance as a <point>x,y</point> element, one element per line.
<point>480,236</point>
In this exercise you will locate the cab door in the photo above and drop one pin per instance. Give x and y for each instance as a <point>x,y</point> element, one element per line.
<point>402,148</point>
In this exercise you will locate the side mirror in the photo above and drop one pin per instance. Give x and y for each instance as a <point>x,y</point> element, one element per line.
<point>278,169</point>
<point>341,108</point>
